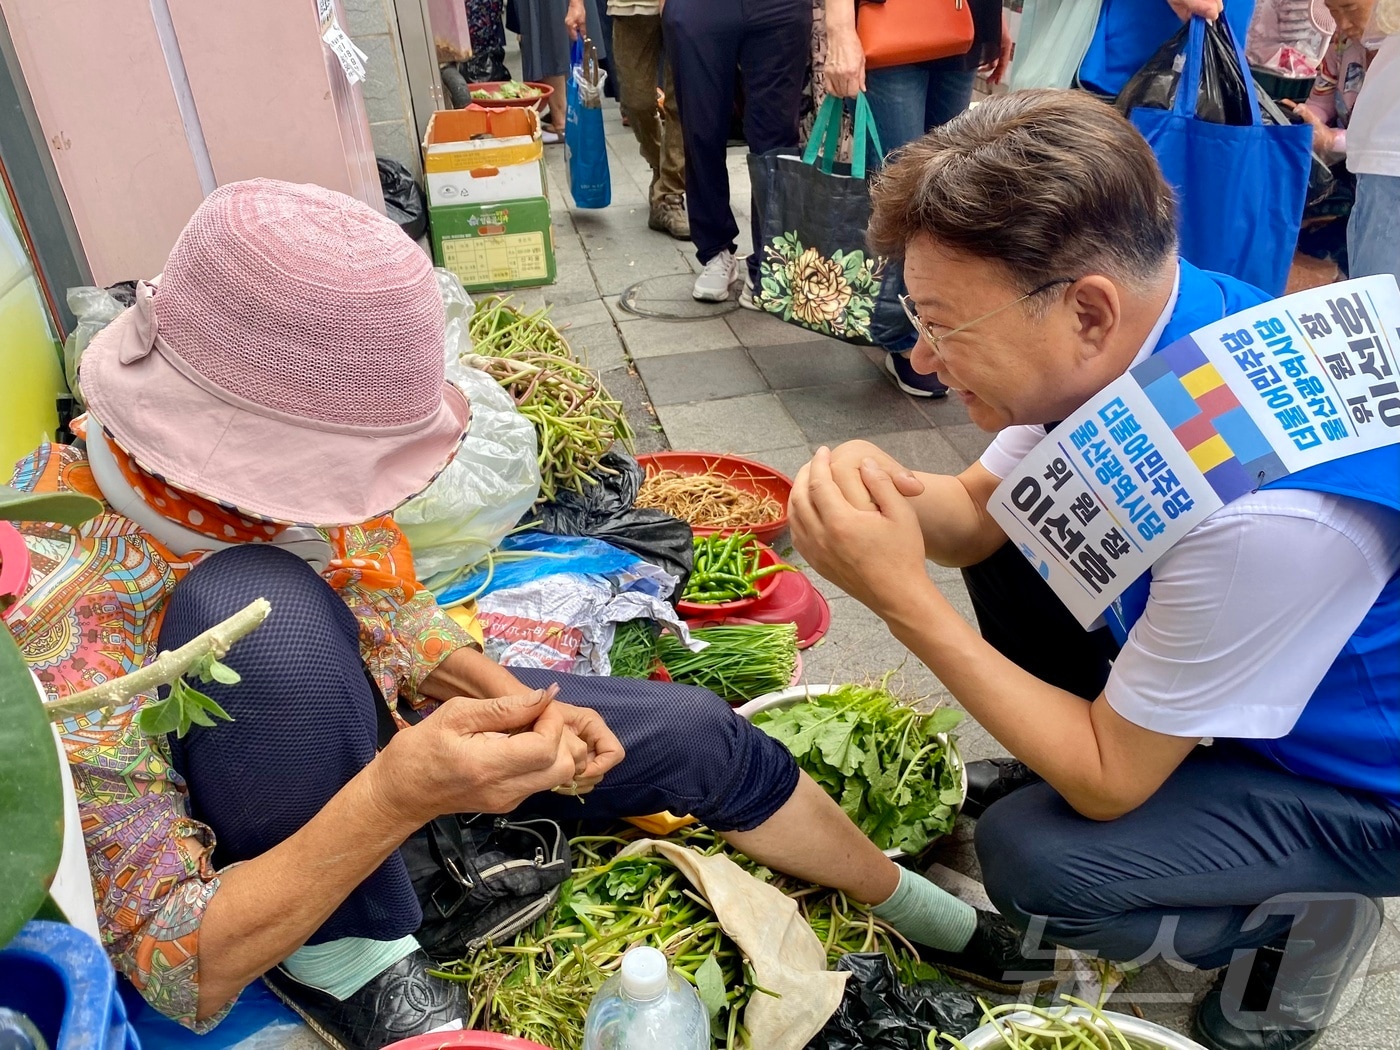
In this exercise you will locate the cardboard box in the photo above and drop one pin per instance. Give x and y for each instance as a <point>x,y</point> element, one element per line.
<point>477,156</point>
<point>505,244</point>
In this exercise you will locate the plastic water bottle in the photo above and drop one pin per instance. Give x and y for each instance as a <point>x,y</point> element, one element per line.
<point>646,1006</point>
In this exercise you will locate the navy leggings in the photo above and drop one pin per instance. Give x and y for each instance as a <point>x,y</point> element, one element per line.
<point>1210,864</point>
<point>305,723</point>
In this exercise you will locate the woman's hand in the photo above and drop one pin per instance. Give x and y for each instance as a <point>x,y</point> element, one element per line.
<point>1324,138</point>
<point>996,70</point>
<point>844,73</point>
<point>602,750</point>
<point>1208,9</point>
<point>576,20</point>
<point>479,756</point>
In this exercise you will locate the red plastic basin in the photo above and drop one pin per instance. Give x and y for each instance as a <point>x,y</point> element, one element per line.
<point>741,473</point>
<point>509,103</point>
<point>795,600</point>
<point>461,1040</point>
<point>719,610</point>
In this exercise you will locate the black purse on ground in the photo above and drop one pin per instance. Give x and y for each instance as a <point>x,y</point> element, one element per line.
<point>479,878</point>
<point>483,879</point>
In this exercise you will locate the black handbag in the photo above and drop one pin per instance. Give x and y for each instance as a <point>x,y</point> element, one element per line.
<point>482,879</point>
<point>479,879</point>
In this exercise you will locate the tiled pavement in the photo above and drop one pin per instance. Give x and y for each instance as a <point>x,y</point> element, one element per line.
<point>747,383</point>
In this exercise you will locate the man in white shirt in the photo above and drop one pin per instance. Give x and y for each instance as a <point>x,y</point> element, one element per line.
<point>1039,248</point>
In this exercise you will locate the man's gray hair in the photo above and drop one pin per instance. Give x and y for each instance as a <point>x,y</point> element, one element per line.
<point>1047,184</point>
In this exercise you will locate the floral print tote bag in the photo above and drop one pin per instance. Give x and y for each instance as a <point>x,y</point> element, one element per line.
<point>814,268</point>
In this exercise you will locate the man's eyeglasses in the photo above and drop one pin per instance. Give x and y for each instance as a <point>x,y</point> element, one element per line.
<point>933,340</point>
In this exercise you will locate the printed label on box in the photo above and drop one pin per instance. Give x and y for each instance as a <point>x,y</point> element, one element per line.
<point>504,257</point>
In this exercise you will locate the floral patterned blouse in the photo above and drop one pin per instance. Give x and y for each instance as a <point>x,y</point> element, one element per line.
<point>92,612</point>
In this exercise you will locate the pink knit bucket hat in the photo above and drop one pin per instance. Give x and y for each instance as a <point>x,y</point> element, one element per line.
<point>289,362</point>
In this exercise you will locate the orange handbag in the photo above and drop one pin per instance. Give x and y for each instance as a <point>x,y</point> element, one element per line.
<point>899,32</point>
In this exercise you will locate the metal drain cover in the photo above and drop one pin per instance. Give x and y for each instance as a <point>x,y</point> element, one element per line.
<point>668,298</point>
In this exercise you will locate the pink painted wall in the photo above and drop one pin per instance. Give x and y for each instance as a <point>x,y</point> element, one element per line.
<point>258,72</point>
<point>100,88</point>
<point>267,99</point>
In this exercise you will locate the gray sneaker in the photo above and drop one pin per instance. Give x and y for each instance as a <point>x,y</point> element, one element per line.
<point>716,281</point>
<point>668,215</point>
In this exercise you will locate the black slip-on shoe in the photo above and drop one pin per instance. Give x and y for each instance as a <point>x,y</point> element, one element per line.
<point>403,1001</point>
<point>997,957</point>
<point>1213,1030</point>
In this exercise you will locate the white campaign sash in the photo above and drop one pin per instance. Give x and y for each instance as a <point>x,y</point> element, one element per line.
<point>1268,391</point>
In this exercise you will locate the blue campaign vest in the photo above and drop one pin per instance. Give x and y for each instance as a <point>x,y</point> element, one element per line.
<point>1349,732</point>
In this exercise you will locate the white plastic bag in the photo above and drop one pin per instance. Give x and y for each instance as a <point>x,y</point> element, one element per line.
<point>495,477</point>
<point>95,309</point>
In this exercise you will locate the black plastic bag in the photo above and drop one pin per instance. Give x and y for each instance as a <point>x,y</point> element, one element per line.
<point>1321,182</point>
<point>608,511</point>
<point>1223,97</point>
<point>403,197</point>
<point>879,1013</point>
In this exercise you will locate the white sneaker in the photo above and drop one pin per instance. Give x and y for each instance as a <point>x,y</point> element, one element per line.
<point>715,281</point>
<point>746,296</point>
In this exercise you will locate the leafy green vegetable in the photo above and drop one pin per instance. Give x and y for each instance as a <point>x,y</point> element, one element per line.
<point>185,705</point>
<point>740,661</point>
<point>881,759</point>
<point>539,985</point>
<point>709,982</point>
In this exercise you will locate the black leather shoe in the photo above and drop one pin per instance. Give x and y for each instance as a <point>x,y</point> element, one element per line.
<point>997,957</point>
<point>403,1001</point>
<point>1211,1029</point>
<point>992,779</point>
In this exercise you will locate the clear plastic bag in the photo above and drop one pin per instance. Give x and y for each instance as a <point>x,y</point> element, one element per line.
<point>495,477</point>
<point>95,309</point>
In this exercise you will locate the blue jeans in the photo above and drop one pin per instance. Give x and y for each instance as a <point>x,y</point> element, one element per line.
<point>907,102</point>
<point>1373,231</point>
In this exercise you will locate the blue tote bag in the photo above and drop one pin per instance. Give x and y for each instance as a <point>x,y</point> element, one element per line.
<point>1240,187</point>
<point>585,148</point>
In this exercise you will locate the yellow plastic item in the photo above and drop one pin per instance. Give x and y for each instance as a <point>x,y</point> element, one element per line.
<point>29,358</point>
<point>465,616</point>
<point>661,823</point>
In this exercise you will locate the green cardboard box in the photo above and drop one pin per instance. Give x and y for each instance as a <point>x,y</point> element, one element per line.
<point>503,244</point>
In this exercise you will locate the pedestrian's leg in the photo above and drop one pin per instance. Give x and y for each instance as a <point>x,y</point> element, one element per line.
<point>949,93</point>
<point>702,44</point>
<point>1229,855</point>
<point>672,137</point>
<point>304,722</point>
<point>688,752</point>
<point>634,53</point>
<point>1373,230</point>
<point>774,54</point>
<point>898,97</point>
<point>558,104</point>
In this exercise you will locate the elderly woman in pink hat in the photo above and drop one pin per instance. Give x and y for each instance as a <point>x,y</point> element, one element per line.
<point>255,418</point>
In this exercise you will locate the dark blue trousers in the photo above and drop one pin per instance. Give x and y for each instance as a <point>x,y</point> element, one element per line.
<point>1224,857</point>
<point>708,42</point>
<point>305,723</point>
